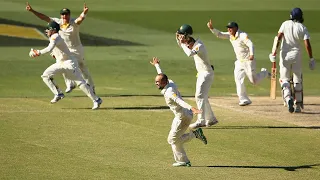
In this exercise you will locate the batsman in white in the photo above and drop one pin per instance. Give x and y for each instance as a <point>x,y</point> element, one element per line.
<point>65,63</point>
<point>291,32</point>
<point>69,31</point>
<point>183,113</point>
<point>196,49</point>
<point>245,64</point>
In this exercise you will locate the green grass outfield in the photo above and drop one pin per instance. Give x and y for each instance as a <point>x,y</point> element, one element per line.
<point>126,139</point>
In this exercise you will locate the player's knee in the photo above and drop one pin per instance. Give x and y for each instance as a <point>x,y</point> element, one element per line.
<point>285,84</point>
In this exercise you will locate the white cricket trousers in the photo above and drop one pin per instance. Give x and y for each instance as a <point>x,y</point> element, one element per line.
<point>72,72</point>
<point>247,68</point>
<point>78,53</point>
<point>203,85</point>
<point>177,136</point>
<point>290,62</point>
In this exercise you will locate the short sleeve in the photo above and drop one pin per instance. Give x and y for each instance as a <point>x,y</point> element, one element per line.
<point>57,20</point>
<point>305,34</point>
<point>244,37</point>
<point>281,28</point>
<point>197,49</point>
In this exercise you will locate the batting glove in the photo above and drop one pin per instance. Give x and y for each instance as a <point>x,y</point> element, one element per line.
<point>34,53</point>
<point>312,64</point>
<point>272,58</point>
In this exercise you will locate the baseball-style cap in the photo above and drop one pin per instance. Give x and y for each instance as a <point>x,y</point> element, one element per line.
<point>232,25</point>
<point>65,11</point>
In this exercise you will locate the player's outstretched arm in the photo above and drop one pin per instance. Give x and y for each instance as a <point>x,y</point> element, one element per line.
<point>219,34</point>
<point>156,63</point>
<point>39,15</point>
<point>83,14</point>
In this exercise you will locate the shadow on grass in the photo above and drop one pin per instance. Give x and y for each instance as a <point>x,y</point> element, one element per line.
<point>86,39</point>
<point>129,108</point>
<point>287,168</point>
<point>264,127</point>
<point>310,112</point>
<point>130,95</point>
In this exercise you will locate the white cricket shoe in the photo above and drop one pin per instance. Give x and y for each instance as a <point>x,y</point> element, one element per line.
<point>196,125</point>
<point>298,109</point>
<point>97,103</point>
<point>180,164</point>
<point>211,123</point>
<point>57,98</point>
<point>245,103</point>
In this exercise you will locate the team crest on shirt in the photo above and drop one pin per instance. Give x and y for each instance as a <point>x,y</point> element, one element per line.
<point>174,95</point>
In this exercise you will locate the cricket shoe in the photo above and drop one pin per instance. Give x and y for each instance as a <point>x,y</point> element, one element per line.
<point>180,164</point>
<point>57,98</point>
<point>196,125</point>
<point>97,103</point>
<point>290,105</point>
<point>298,109</point>
<point>211,123</point>
<point>199,135</point>
<point>69,89</point>
<point>268,73</point>
<point>245,103</point>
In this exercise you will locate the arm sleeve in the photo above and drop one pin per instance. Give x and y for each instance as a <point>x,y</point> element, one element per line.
<point>249,43</point>
<point>55,19</point>
<point>188,51</point>
<point>158,68</point>
<point>219,34</point>
<point>177,99</point>
<point>182,103</point>
<point>306,34</point>
<point>52,44</point>
<point>281,28</point>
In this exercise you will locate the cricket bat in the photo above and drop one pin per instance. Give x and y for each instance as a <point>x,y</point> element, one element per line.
<point>273,87</point>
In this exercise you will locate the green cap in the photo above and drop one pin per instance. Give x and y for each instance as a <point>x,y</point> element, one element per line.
<point>65,11</point>
<point>232,25</point>
<point>53,26</point>
<point>185,29</point>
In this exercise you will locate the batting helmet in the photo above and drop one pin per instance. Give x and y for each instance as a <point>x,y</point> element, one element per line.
<point>296,14</point>
<point>53,26</point>
<point>185,29</point>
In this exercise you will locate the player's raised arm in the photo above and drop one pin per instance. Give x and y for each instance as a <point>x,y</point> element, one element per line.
<point>219,34</point>
<point>39,15</point>
<point>83,14</point>
<point>156,63</point>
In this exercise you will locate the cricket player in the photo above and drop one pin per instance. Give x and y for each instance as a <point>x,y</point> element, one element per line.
<point>69,31</point>
<point>65,63</point>
<point>183,113</point>
<point>291,32</point>
<point>245,64</point>
<point>196,49</point>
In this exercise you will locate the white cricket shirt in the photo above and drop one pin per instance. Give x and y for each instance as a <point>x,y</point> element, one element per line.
<point>242,45</point>
<point>293,33</point>
<point>58,48</point>
<point>69,32</point>
<point>200,56</point>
